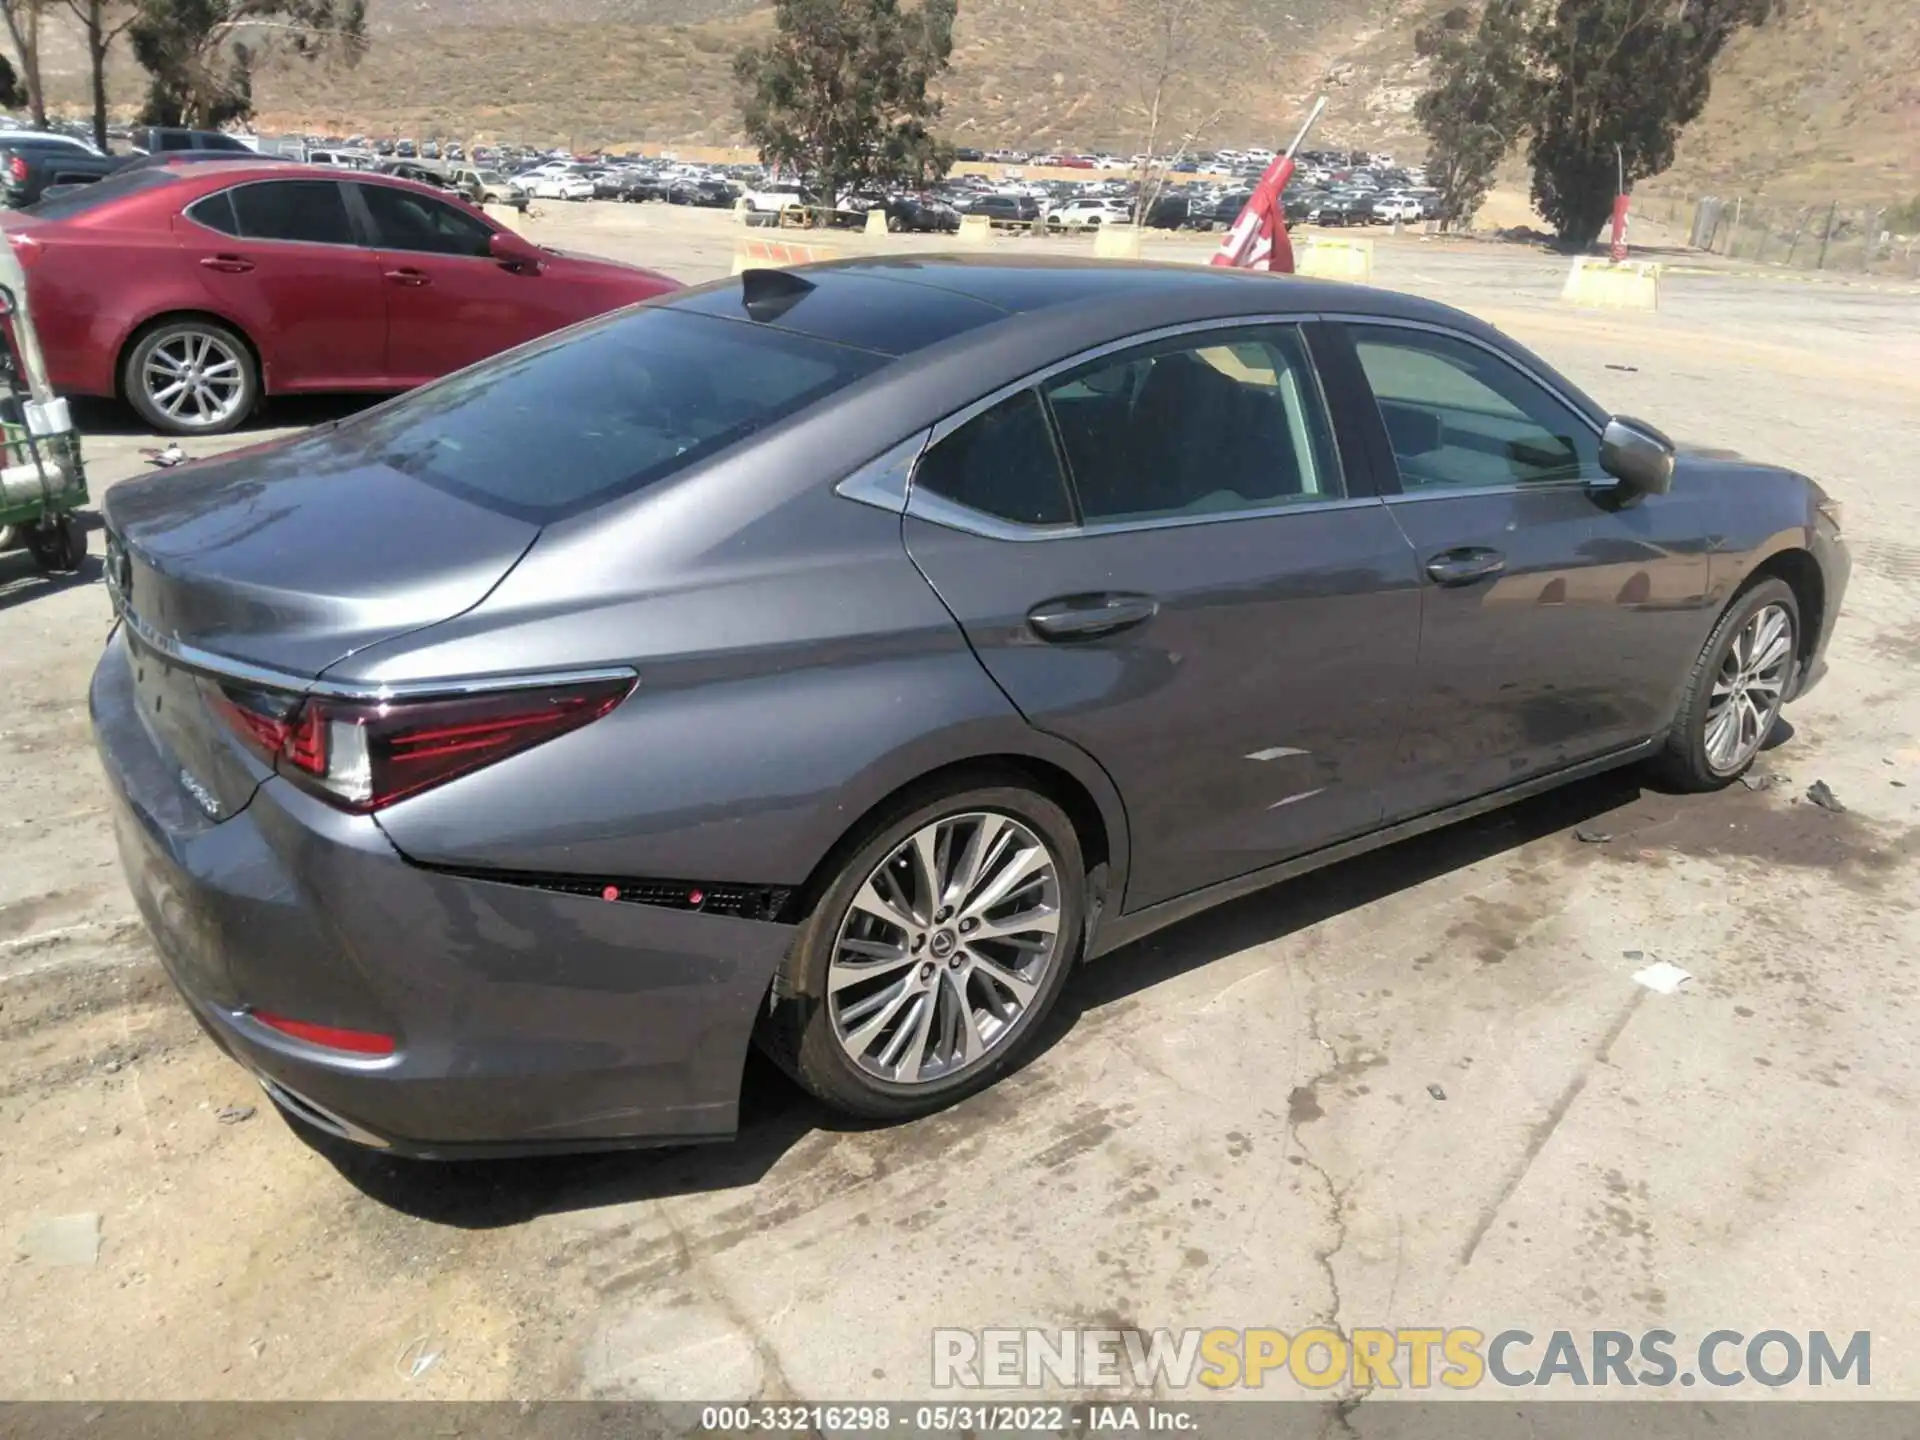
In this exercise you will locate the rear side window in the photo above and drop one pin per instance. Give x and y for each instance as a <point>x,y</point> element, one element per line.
<point>1001,463</point>
<point>313,211</point>
<point>1225,422</point>
<point>563,424</point>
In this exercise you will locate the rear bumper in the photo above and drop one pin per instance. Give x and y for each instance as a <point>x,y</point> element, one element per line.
<point>523,1020</point>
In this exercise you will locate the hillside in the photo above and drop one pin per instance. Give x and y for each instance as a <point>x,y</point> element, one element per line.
<point>1824,101</point>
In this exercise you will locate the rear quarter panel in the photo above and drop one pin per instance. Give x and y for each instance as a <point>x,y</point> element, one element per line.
<point>793,674</point>
<point>93,287</point>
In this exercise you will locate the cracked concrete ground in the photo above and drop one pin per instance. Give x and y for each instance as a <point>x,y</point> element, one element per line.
<point>1234,1123</point>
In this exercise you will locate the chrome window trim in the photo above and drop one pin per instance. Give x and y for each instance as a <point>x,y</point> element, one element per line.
<point>225,667</point>
<point>945,427</point>
<point>885,481</point>
<point>937,510</point>
<point>1466,492</point>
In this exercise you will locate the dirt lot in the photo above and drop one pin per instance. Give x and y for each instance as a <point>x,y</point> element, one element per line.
<point>1237,1123</point>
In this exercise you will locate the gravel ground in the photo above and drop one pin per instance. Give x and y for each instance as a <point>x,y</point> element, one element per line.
<point>1237,1123</point>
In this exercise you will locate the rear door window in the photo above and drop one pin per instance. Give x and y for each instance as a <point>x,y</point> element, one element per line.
<point>313,211</point>
<point>566,423</point>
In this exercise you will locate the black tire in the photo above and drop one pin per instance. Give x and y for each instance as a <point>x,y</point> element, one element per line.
<point>58,546</point>
<point>799,1032</point>
<point>135,369</point>
<point>1685,764</point>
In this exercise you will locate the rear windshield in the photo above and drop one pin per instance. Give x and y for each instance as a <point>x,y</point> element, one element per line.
<point>554,428</point>
<point>100,192</point>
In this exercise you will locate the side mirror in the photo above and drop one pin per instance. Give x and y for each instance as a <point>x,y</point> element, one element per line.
<point>509,249</point>
<point>1637,455</point>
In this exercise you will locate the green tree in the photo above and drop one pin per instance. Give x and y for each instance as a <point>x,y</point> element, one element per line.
<point>1601,90</point>
<point>840,91</point>
<point>1616,81</point>
<point>1473,111</point>
<point>202,54</point>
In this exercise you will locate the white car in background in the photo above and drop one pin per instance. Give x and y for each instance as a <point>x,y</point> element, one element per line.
<point>562,187</point>
<point>1085,214</point>
<point>1390,208</point>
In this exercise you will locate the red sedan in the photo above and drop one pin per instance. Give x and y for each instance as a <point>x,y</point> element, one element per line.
<point>192,291</point>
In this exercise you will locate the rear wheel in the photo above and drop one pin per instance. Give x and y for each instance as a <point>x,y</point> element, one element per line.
<point>1736,689</point>
<point>191,377</point>
<point>929,964</point>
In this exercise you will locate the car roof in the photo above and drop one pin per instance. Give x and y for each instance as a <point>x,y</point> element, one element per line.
<point>898,304</point>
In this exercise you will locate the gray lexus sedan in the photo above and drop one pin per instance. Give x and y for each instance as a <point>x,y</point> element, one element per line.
<point>835,657</point>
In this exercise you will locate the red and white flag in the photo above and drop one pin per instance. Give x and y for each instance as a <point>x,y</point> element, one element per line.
<point>1259,239</point>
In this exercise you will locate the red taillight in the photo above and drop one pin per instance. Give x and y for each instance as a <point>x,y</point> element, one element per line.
<point>362,755</point>
<point>17,168</point>
<point>354,1042</point>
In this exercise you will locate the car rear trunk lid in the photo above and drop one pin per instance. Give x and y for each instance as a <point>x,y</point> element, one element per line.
<point>255,572</point>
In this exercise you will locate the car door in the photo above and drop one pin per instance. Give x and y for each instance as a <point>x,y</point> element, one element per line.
<point>449,302</point>
<point>1559,612</point>
<point>279,258</point>
<point>1157,555</point>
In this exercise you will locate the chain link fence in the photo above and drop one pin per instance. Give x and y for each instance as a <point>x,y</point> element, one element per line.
<point>1830,235</point>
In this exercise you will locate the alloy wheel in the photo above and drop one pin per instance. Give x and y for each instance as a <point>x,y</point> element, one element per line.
<point>195,378</point>
<point>1749,688</point>
<point>945,948</point>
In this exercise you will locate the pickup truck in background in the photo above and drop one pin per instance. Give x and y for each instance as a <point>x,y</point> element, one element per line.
<point>33,160</point>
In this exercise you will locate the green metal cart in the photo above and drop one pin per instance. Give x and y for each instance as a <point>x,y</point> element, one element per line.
<point>42,479</point>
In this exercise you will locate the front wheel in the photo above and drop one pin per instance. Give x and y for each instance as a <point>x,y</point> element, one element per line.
<point>1735,690</point>
<point>927,967</point>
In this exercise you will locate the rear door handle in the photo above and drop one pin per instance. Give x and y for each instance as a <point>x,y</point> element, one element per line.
<point>228,264</point>
<point>1087,617</point>
<point>408,276</point>
<point>1465,565</point>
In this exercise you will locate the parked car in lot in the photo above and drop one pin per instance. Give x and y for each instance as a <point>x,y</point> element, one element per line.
<point>191,290</point>
<point>838,657</point>
<point>1005,209</point>
<point>562,187</point>
<point>165,139</point>
<point>1087,214</point>
<point>923,214</point>
<point>708,191</point>
<point>32,161</point>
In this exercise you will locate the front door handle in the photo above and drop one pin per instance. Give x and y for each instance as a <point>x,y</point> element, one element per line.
<point>406,275</point>
<point>228,264</point>
<point>1087,617</point>
<point>1465,565</point>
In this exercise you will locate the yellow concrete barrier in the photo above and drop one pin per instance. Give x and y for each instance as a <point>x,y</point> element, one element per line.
<point>1326,258</point>
<point>1602,285</point>
<point>1116,242</point>
<point>877,220</point>
<point>974,230</point>
<point>753,254</point>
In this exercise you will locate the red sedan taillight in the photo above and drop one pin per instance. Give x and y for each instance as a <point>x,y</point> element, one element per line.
<point>17,168</point>
<point>362,755</point>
